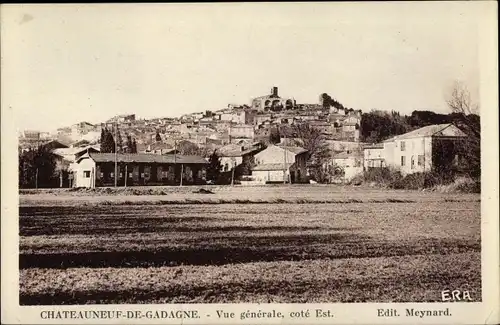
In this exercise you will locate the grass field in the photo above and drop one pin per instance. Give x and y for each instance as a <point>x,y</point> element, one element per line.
<point>317,244</point>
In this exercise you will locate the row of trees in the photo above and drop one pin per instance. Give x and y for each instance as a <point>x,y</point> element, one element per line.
<point>108,142</point>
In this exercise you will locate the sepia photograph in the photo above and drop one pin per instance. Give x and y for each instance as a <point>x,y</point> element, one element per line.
<point>246,153</point>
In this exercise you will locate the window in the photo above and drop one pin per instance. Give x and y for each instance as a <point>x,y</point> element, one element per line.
<point>420,160</point>
<point>111,175</point>
<point>86,174</point>
<point>403,160</point>
<point>403,146</point>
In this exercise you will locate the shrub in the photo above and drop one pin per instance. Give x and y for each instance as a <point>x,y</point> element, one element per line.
<point>417,181</point>
<point>460,185</point>
<point>356,180</point>
<point>382,176</point>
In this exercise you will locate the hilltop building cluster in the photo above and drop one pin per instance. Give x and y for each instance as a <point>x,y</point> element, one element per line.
<point>239,134</point>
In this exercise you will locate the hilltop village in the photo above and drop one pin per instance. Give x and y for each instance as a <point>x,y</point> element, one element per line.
<point>269,140</point>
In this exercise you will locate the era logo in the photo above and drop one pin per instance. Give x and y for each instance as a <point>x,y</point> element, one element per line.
<point>455,295</point>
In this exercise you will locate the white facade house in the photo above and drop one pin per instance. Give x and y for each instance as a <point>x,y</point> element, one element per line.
<point>281,163</point>
<point>415,151</point>
<point>84,173</point>
<point>350,163</point>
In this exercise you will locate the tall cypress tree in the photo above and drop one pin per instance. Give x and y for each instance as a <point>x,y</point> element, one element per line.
<point>119,141</point>
<point>104,140</point>
<point>128,144</point>
<point>134,147</point>
<point>109,144</point>
<point>214,167</point>
<point>101,139</point>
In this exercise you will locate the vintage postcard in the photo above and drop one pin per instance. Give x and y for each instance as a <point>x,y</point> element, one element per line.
<point>250,163</point>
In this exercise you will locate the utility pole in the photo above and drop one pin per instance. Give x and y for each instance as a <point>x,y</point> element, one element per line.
<point>284,165</point>
<point>116,157</point>
<point>182,172</point>
<point>175,160</point>
<point>232,172</point>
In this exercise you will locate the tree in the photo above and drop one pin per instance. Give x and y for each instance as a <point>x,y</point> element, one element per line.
<point>128,144</point>
<point>466,118</point>
<point>244,169</point>
<point>119,141</point>
<point>327,101</point>
<point>188,148</point>
<point>318,152</point>
<point>134,147</point>
<point>214,167</point>
<point>101,139</point>
<point>275,136</point>
<point>378,125</point>
<point>158,137</point>
<point>107,142</point>
<point>37,168</point>
<point>111,142</point>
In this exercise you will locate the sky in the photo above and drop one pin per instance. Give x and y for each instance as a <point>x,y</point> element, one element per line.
<point>62,64</point>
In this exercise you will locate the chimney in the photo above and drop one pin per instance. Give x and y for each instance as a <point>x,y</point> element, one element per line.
<point>274,91</point>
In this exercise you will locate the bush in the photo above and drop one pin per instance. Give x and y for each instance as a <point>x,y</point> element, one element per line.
<point>356,180</point>
<point>460,185</point>
<point>382,176</point>
<point>394,179</point>
<point>419,181</point>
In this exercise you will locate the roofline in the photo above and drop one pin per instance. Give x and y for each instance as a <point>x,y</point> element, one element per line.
<point>402,136</point>
<point>89,155</point>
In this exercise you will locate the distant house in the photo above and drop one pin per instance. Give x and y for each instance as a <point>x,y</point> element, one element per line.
<point>160,148</point>
<point>433,147</point>
<point>347,165</point>
<point>98,169</point>
<point>233,155</point>
<point>82,127</point>
<point>53,144</point>
<point>123,118</point>
<point>65,159</point>
<point>374,156</point>
<point>241,131</point>
<point>281,164</point>
<point>68,156</point>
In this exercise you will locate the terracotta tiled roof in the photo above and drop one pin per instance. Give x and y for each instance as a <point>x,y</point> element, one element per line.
<point>272,166</point>
<point>295,150</point>
<point>433,130</point>
<point>147,158</point>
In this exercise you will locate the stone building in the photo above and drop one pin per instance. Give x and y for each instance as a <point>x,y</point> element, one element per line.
<point>273,102</point>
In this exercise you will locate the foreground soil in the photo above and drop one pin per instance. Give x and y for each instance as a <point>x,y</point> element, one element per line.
<point>363,248</point>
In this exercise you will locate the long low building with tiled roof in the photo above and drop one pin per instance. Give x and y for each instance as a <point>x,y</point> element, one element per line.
<point>98,169</point>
